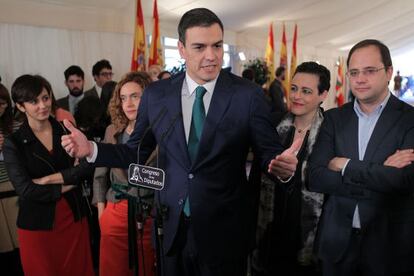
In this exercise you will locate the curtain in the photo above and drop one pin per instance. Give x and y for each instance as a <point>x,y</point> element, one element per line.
<point>49,51</point>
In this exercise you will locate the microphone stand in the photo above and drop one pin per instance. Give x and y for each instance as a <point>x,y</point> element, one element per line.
<point>140,208</point>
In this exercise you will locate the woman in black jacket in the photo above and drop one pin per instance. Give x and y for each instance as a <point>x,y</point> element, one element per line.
<point>289,212</point>
<point>52,228</point>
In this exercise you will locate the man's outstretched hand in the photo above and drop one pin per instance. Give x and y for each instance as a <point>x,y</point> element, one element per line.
<point>76,144</point>
<point>284,165</point>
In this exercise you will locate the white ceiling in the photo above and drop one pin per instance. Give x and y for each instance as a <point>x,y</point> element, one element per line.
<point>330,24</point>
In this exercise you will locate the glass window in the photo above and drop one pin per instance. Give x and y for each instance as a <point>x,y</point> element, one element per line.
<point>172,42</point>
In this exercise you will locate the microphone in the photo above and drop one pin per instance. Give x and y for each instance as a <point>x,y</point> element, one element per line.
<point>151,125</point>
<point>172,123</point>
<point>147,176</point>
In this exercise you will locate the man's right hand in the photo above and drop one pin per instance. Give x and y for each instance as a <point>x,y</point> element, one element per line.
<point>400,158</point>
<point>76,144</point>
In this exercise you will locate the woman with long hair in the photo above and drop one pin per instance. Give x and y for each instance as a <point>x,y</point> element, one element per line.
<point>111,195</point>
<point>8,197</point>
<point>52,228</point>
<point>289,212</point>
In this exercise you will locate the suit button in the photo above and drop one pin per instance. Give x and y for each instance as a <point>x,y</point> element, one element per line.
<point>190,176</point>
<point>181,201</point>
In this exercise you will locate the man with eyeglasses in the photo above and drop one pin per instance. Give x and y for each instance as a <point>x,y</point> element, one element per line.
<point>362,161</point>
<point>102,72</point>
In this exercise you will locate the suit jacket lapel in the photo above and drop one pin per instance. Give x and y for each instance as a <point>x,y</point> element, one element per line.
<point>176,139</point>
<point>388,118</point>
<point>350,133</point>
<point>219,103</point>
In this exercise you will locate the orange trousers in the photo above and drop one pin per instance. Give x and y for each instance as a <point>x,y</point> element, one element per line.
<point>113,256</point>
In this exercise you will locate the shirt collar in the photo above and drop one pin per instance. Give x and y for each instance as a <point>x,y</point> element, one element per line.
<point>376,111</point>
<point>98,90</point>
<point>78,98</point>
<point>192,85</point>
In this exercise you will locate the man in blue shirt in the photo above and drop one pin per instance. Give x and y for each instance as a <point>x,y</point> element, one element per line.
<point>362,161</point>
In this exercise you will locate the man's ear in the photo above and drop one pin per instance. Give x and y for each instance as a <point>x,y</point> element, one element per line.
<point>389,73</point>
<point>181,49</point>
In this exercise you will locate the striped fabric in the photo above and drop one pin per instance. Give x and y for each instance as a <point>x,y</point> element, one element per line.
<point>3,173</point>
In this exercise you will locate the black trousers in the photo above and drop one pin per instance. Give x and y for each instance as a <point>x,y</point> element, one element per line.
<point>184,260</point>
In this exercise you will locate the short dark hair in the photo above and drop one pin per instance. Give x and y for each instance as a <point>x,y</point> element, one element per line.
<point>199,17</point>
<point>74,70</point>
<point>248,73</point>
<point>26,88</point>
<point>97,67</point>
<point>279,71</point>
<point>162,73</point>
<point>319,70</point>
<point>384,51</point>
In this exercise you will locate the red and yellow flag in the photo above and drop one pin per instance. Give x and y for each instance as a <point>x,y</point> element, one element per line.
<point>283,62</point>
<point>294,56</point>
<point>138,50</point>
<point>156,55</point>
<point>339,87</point>
<point>269,54</point>
<point>293,61</point>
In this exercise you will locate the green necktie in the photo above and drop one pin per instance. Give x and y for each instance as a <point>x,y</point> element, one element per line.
<point>197,122</point>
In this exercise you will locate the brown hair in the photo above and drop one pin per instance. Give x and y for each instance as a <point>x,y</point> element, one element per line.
<point>118,117</point>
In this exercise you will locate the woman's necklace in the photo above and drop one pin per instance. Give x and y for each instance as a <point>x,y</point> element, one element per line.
<point>300,130</point>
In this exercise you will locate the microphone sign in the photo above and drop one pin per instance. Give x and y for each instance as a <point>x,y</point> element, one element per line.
<point>147,177</point>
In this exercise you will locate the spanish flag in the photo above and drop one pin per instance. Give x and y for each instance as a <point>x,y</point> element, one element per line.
<point>293,61</point>
<point>293,57</point>
<point>339,87</point>
<point>283,62</point>
<point>269,55</point>
<point>138,51</point>
<point>156,56</point>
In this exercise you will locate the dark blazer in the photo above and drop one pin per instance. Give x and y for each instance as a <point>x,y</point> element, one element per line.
<point>219,194</point>
<point>64,101</point>
<point>91,92</point>
<point>26,158</point>
<point>276,95</point>
<point>384,194</point>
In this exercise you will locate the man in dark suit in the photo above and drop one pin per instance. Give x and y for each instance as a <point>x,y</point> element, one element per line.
<point>362,162</point>
<point>102,73</point>
<point>277,92</point>
<point>204,122</point>
<point>74,81</point>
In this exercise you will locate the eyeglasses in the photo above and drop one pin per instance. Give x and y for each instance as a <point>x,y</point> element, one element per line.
<point>106,74</point>
<point>368,72</point>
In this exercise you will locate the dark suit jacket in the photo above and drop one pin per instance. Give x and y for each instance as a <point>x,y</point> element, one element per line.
<point>384,194</point>
<point>276,95</point>
<point>91,92</point>
<point>216,182</point>
<point>64,101</point>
